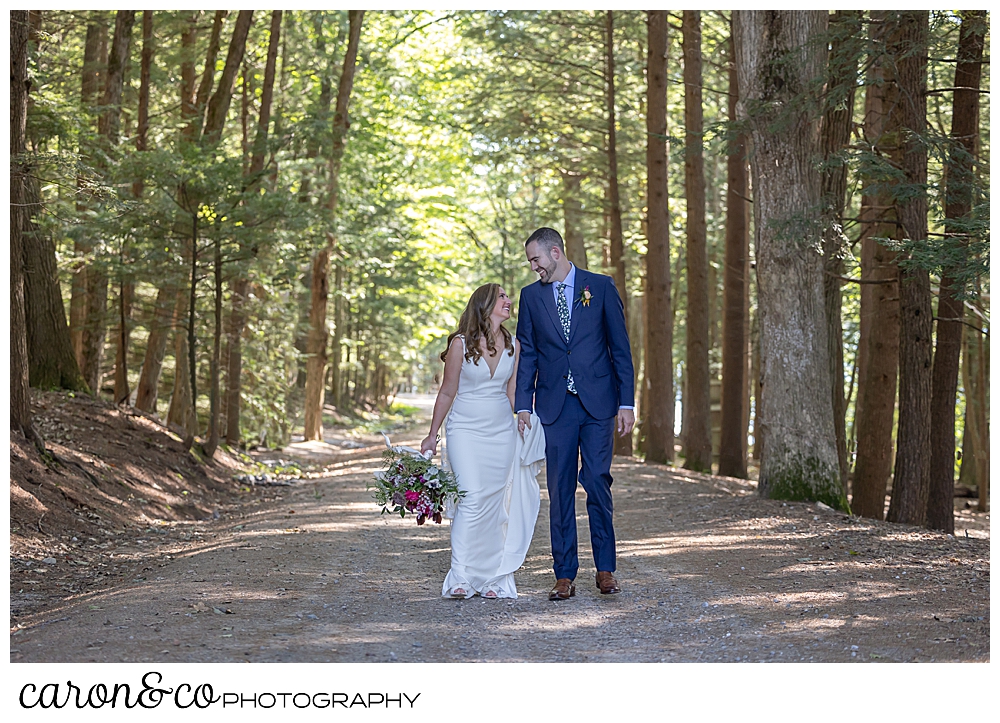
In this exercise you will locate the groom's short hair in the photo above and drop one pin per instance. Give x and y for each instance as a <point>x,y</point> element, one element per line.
<point>548,238</point>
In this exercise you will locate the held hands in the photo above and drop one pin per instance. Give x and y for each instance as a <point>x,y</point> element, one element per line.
<point>429,443</point>
<point>523,420</point>
<point>625,421</point>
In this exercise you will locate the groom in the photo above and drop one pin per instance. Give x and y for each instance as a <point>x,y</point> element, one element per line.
<point>576,366</point>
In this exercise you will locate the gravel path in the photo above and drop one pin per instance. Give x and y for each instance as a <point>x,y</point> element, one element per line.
<point>311,573</point>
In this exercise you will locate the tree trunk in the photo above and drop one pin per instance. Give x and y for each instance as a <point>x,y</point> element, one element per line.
<point>576,250</point>
<point>195,111</point>
<point>88,94</point>
<point>163,321</point>
<point>837,126</point>
<point>623,445</point>
<point>126,287</point>
<point>214,394</point>
<point>317,340</point>
<point>51,362</point>
<point>181,412</point>
<point>733,432</point>
<point>94,328</point>
<point>240,284</point>
<point>142,124</point>
<point>20,401</point>
<point>237,322</point>
<point>267,94</point>
<point>959,179</point>
<point>126,290</point>
<point>911,478</point>
<point>322,113</point>
<point>758,398</point>
<point>165,316</point>
<point>189,36</point>
<point>697,400</point>
<point>658,413</point>
<point>878,345</point>
<point>218,106</point>
<point>777,60</point>
<point>982,422</point>
<point>338,334</point>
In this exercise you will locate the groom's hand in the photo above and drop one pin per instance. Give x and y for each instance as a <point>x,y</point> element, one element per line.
<point>523,420</point>
<point>626,420</point>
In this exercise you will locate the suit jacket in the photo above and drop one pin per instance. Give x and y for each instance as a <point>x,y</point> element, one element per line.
<point>597,351</point>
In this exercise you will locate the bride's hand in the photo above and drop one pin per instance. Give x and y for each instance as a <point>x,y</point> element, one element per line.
<point>429,443</point>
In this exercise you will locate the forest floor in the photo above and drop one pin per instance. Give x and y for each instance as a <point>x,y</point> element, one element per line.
<point>207,569</point>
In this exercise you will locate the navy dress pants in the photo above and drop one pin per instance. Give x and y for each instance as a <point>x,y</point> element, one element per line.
<point>577,436</point>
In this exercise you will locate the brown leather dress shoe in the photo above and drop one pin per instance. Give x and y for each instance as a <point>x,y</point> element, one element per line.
<point>607,584</point>
<point>564,589</point>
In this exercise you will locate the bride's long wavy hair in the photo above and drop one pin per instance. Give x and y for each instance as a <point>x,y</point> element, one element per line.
<point>475,324</point>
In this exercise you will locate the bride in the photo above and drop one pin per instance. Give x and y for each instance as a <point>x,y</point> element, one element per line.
<point>494,521</point>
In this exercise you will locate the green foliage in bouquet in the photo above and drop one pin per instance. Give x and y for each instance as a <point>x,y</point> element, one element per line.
<point>414,484</point>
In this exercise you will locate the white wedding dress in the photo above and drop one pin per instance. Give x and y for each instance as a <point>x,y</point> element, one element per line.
<point>493,524</point>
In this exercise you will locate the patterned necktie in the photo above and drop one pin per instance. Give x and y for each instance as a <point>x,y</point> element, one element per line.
<point>563,308</point>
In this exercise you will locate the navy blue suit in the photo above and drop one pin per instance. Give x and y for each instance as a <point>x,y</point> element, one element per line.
<point>579,428</point>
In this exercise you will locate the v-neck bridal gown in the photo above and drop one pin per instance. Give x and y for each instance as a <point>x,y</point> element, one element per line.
<point>494,522</point>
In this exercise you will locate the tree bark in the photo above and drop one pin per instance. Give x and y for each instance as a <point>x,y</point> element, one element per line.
<point>164,316</point>
<point>322,112</point>
<point>95,322</point>
<point>20,83</point>
<point>51,362</point>
<point>777,60</point>
<point>576,250</point>
<point>758,398</point>
<point>733,432</point>
<point>126,290</point>
<point>156,346</point>
<point>142,123</point>
<point>317,339</point>
<point>126,287</point>
<point>959,180</point>
<point>81,246</point>
<point>837,126</point>
<point>975,438</point>
<point>878,346</point>
<point>237,323</point>
<point>981,408</point>
<point>623,445</point>
<point>181,412</point>
<point>658,413</point>
<point>697,400</point>
<point>240,284</point>
<point>189,36</point>
<point>197,108</point>
<point>338,333</point>
<point>266,97</point>
<point>911,478</point>
<point>218,106</point>
<point>214,393</point>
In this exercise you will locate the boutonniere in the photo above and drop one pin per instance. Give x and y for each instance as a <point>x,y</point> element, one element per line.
<point>585,296</point>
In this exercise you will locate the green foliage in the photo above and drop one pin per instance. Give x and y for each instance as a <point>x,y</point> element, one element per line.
<point>467,130</point>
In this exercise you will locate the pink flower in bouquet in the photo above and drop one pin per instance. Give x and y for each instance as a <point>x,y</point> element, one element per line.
<point>412,495</point>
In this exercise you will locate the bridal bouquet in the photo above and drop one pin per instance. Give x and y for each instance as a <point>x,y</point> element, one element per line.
<point>411,483</point>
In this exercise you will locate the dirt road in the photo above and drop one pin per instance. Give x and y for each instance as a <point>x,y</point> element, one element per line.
<point>310,572</point>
